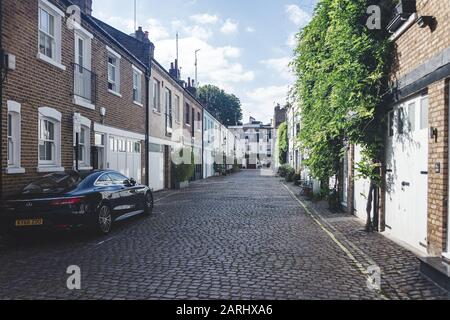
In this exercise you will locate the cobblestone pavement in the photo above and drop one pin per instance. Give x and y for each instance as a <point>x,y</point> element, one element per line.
<point>238,237</point>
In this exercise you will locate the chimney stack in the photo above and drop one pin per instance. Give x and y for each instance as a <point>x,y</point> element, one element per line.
<point>85,6</point>
<point>139,34</point>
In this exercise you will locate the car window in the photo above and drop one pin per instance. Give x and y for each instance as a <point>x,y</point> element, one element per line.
<point>117,178</point>
<point>55,182</point>
<point>104,180</point>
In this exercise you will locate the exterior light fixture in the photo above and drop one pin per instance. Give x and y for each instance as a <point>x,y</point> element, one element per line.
<point>434,133</point>
<point>425,21</point>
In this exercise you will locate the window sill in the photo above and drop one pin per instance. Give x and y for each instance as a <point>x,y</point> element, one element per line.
<point>79,101</point>
<point>156,112</point>
<point>84,168</point>
<point>50,61</point>
<point>45,169</point>
<point>138,104</point>
<point>115,93</point>
<point>15,170</point>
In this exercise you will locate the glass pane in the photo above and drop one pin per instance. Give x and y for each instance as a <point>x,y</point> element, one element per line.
<point>10,125</point>
<point>42,152</point>
<point>10,151</point>
<point>99,139</point>
<point>44,23</point>
<point>424,113</point>
<point>412,117</point>
<point>51,25</point>
<point>49,149</point>
<point>50,130</point>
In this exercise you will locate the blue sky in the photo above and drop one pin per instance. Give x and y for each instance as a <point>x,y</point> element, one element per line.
<point>245,45</point>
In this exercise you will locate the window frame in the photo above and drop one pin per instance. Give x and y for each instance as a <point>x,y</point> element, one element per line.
<point>156,95</point>
<point>114,86</point>
<point>14,120</point>
<point>137,86</point>
<point>54,116</point>
<point>57,14</point>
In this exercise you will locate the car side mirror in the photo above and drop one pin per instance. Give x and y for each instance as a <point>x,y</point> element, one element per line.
<point>127,183</point>
<point>133,182</point>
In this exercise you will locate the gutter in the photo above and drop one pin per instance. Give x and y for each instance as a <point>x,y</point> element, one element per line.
<point>148,74</point>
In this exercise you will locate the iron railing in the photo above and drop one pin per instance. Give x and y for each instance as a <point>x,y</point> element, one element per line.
<point>85,83</point>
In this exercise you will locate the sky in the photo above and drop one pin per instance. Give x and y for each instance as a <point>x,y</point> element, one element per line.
<point>245,45</point>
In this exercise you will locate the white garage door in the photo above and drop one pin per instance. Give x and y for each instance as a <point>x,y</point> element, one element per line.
<point>362,187</point>
<point>124,156</point>
<point>407,172</point>
<point>156,169</point>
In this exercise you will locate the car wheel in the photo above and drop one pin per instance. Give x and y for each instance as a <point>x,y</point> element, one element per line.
<point>148,208</point>
<point>104,220</point>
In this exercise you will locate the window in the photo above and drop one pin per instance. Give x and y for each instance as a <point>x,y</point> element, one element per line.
<point>156,95</point>
<point>424,113</point>
<point>412,117</point>
<point>187,114</point>
<point>49,135</point>
<point>117,178</point>
<point>137,147</point>
<point>104,180</point>
<point>82,146</point>
<point>46,33</point>
<point>47,141</point>
<point>177,108</point>
<point>113,71</point>
<point>199,120</point>
<point>391,124</point>
<point>137,85</point>
<point>49,38</point>
<point>84,79</point>
<point>168,102</point>
<point>401,121</point>
<point>14,138</point>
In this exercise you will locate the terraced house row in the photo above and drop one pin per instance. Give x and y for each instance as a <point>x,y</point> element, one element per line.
<point>79,94</point>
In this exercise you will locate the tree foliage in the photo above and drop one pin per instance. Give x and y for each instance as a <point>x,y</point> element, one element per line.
<point>283,142</point>
<point>342,68</point>
<point>223,106</point>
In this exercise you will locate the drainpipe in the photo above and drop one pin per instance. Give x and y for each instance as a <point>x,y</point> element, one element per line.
<point>203,143</point>
<point>147,124</point>
<point>2,60</point>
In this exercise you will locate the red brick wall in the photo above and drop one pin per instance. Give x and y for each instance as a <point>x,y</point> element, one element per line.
<point>36,84</point>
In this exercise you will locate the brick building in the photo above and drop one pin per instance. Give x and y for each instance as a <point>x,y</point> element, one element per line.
<point>70,78</point>
<point>414,200</point>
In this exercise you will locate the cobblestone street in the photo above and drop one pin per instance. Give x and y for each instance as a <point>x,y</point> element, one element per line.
<point>238,237</point>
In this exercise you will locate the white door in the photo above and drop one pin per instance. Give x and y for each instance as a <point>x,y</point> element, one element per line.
<point>156,170</point>
<point>362,187</point>
<point>407,172</point>
<point>124,156</point>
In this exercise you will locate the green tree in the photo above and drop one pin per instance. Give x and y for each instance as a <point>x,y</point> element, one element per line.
<point>223,106</point>
<point>283,142</point>
<point>342,68</point>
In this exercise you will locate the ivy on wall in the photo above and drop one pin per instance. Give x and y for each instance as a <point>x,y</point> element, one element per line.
<point>342,68</point>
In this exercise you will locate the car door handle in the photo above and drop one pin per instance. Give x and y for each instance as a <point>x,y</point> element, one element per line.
<point>424,172</point>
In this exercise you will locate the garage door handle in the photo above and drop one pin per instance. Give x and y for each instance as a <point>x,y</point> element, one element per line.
<point>424,172</point>
<point>405,184</point>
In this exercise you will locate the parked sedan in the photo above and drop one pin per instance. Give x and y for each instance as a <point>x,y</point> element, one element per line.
<point>76,199</point>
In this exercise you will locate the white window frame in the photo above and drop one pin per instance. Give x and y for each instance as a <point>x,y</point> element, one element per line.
<point>137,86</point>
<point>177,108</point>
<point>86,37</point>
<point>85,163</point>
<point>168,108</point>
<point>156,95</point>
<point>54,116</point>
<point>116,82</point>
<point>14,109</point>
<point>57,15</point>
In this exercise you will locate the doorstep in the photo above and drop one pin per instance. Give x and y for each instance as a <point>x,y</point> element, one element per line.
<point>437,270</point>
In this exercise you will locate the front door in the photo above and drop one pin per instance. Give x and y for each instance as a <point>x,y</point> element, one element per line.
<point>407,172</point>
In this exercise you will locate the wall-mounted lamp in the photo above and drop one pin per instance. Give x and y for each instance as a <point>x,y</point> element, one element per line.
<point>425,21</point>
<point>103,113</point>
<point>434,134</point>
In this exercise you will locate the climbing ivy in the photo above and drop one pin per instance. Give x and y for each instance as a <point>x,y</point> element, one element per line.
<point>283,142</point>
<point>342,68</point>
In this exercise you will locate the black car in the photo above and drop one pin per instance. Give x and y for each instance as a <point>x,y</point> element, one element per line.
<point>68,200</point>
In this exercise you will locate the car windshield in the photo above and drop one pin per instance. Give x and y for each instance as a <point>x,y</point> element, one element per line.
<point>55,183</point>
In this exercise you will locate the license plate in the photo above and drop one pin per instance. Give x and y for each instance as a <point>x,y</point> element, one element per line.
<point>29,222</point>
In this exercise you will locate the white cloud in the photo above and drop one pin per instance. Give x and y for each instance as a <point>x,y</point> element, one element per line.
<point>156,30</point>
<point>298,16</point>
<point>204,18</point>
<point>280,66</point>
<point>250,29</point>
<point>216,65</point>
<point>260,102</point>
<point>292,40</point>
<point>124,25</point>
<point>229,27</point>
<point>197,32</point>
